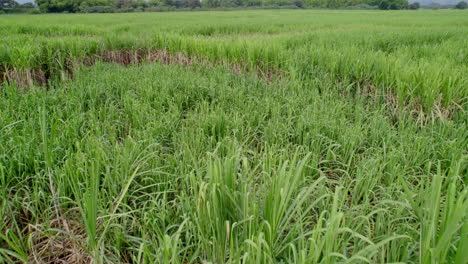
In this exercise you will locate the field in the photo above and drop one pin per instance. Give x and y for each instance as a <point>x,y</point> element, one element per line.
<point>300,136</point>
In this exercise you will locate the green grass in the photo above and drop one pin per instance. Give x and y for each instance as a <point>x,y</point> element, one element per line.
<point>356,153</point>
<point>418,57</point>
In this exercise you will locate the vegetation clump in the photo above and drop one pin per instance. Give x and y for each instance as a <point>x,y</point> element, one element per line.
<point>279,136</point>
<point>414,6</point>
<point>461,5</point>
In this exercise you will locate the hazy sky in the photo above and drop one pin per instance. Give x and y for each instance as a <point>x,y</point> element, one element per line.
<point>421,1</point>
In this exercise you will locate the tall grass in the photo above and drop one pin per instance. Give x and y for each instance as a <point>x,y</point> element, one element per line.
<point>404,57</point>
<point>175,164</point>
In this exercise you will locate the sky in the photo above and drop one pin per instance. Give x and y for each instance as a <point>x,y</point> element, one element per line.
<point>411,1</point>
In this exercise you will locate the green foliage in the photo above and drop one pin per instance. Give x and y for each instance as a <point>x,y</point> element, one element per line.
<point>108,6</point>
<point>299,3</point>
<point>307,136</point>
<point>58,5</point>
<point>461,5</point>
<point>28,5</point>
<point>71,6</point>
<point>8,4</point>
<point>414,6</point>
<point>11,7</point>
<point>96,9</point>
<point>34,11</point>
<point>362,7</point>
<point>393,4</point>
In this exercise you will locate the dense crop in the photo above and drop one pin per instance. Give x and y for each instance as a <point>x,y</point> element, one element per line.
<point>402,54</point>
<point>252,137</point>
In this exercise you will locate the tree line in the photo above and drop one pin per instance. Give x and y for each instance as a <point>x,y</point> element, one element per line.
<point>109,6</point>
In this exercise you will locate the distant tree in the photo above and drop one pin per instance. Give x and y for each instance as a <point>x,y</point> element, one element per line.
<point>122,3</point>
<point>8,4</point>
<point>192,3</point>
<point>143,3</point>
<point>384,5</point>
<point>461,5</point>
<point>155,2</point>
<point>299,3</point>
<point>212,3</point>
<point>71,6</point>
<point>246,2</point>
<point>56,6</point>
<point>393,4</point>
<point>414,6</point>
<point>174,3</point>
<point>96,2</point>
<point>335,3</point>
<point>106,6</point>
<point>27,5</point>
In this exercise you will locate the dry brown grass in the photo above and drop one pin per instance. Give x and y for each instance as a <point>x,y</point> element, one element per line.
<point>41,77</point>
<point>61,242</point>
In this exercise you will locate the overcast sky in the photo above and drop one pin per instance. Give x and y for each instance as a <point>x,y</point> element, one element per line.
<point>411,1</point>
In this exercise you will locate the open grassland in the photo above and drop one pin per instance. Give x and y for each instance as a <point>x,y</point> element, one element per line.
<point>234,137</point>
